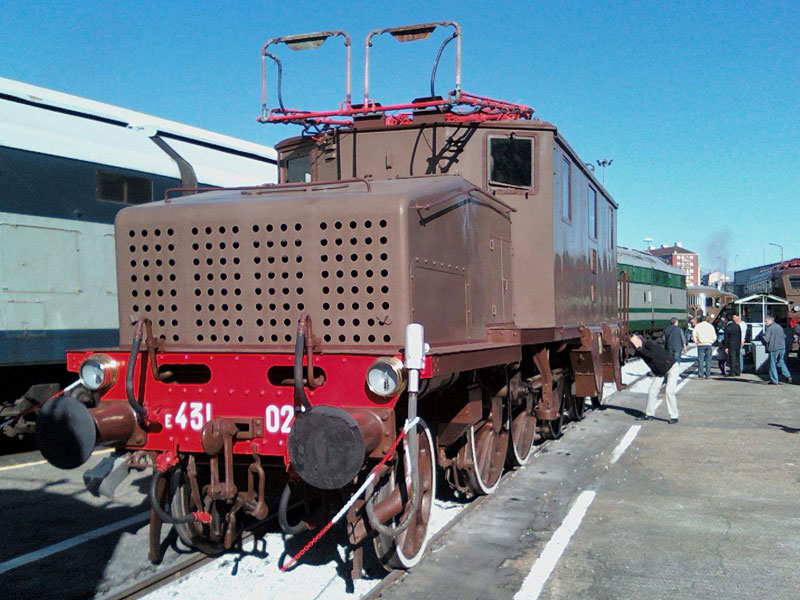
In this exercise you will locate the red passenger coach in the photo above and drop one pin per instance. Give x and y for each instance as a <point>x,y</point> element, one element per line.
<point>433,284</point>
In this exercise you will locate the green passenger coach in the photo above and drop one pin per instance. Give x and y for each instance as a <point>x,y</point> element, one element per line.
<point>657,291</point>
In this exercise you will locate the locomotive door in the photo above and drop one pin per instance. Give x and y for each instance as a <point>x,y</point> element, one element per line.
<point>501,280</point>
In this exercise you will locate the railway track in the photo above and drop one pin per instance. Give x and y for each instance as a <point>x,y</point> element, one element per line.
<point>158,580</point>
<point>197,561</point>
<point>191,563</point>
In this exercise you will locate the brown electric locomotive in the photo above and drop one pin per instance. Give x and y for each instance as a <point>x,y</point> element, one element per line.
<point>440,272</point>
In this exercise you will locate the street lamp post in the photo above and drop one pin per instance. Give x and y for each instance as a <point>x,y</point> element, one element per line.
<point>777,246</point>
<point>603,163</point>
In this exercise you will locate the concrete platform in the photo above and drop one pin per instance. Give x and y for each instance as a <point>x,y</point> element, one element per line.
<point>706,508</point>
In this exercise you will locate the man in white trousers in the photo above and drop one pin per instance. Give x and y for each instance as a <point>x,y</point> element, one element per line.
<point>663,365</point>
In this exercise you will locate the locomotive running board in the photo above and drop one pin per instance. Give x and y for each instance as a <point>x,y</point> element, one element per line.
<point>587,362</point>
<point>611,356</point>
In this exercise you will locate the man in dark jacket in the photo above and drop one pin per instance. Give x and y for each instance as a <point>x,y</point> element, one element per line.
<point>733,346</point>
<point>674,340</point>
<point>663,365</point>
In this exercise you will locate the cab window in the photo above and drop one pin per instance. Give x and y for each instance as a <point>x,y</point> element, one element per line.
<point>566,190</point>
<point>298,169</point>
<point>510,162</point>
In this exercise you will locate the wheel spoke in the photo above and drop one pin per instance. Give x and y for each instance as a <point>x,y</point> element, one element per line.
<point>485,445</point>
<point>486,451</point>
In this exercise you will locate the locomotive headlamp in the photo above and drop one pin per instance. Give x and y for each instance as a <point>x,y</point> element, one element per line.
<point>99,371</point>
<point>386,377</point>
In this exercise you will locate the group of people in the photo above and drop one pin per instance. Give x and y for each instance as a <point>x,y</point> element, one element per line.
<point>664,360</point>
<point>730,351</point>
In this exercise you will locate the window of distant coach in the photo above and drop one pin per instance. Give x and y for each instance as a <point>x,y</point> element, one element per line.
<point>116,187</point>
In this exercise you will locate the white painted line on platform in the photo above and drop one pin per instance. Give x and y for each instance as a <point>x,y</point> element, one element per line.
<point>626,441</point>
<point>23,465</point>
<point>544,565</point>
<point>72,542</point>
<point>41,462</point>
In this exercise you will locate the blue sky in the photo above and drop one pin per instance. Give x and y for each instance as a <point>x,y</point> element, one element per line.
<point>697,103</point>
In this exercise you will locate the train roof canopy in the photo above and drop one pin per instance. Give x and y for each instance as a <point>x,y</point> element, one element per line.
<point>38,119</point>
<point>638,258</point>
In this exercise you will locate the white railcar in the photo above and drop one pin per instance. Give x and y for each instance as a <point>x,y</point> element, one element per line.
<point>67,166</point>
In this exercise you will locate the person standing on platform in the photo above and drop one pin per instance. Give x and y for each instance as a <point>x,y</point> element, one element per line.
<point>743,327</point>
<point>663,365</point>
<point>674,340</point>
<point>704,336</point>
<point>722,359</point>
<point>775,341</point>
<point>733,346</point>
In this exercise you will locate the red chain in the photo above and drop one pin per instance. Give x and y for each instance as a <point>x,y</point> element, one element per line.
<point>38,406</point>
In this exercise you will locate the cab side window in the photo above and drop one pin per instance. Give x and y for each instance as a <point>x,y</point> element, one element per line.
<point>566,190</point>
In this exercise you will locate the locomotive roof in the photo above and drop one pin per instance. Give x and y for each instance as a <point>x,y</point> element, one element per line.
<point>637,258</point>
<point>456,109</point>
<point>422,120</point>
<point>378,124</point>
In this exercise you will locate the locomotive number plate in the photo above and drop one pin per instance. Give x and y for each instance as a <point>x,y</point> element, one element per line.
<point>279,418</point>
<point>189,414</point>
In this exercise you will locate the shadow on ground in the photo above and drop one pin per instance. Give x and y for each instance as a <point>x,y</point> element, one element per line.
<point>785,428</point>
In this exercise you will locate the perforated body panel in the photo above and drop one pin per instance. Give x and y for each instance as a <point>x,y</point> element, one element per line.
<point>235,269</point>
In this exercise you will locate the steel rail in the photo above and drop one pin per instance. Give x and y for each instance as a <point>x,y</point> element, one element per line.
<point>192,563</point>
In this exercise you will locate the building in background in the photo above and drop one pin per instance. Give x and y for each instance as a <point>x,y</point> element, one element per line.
<point>717,279</point>
<point>680,257</point>
<point>747,277</point>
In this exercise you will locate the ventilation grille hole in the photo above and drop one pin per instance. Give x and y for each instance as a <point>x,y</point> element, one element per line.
<point>152,273</point>
<point>357,252</point>
<point>224,268</point>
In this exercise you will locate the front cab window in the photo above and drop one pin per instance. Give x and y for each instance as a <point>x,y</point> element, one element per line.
<point>298,169</point>
<point>510,162</point>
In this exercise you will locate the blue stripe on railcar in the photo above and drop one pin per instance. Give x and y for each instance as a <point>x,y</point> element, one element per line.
<point>50,345</point>
<point>63,188</point>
